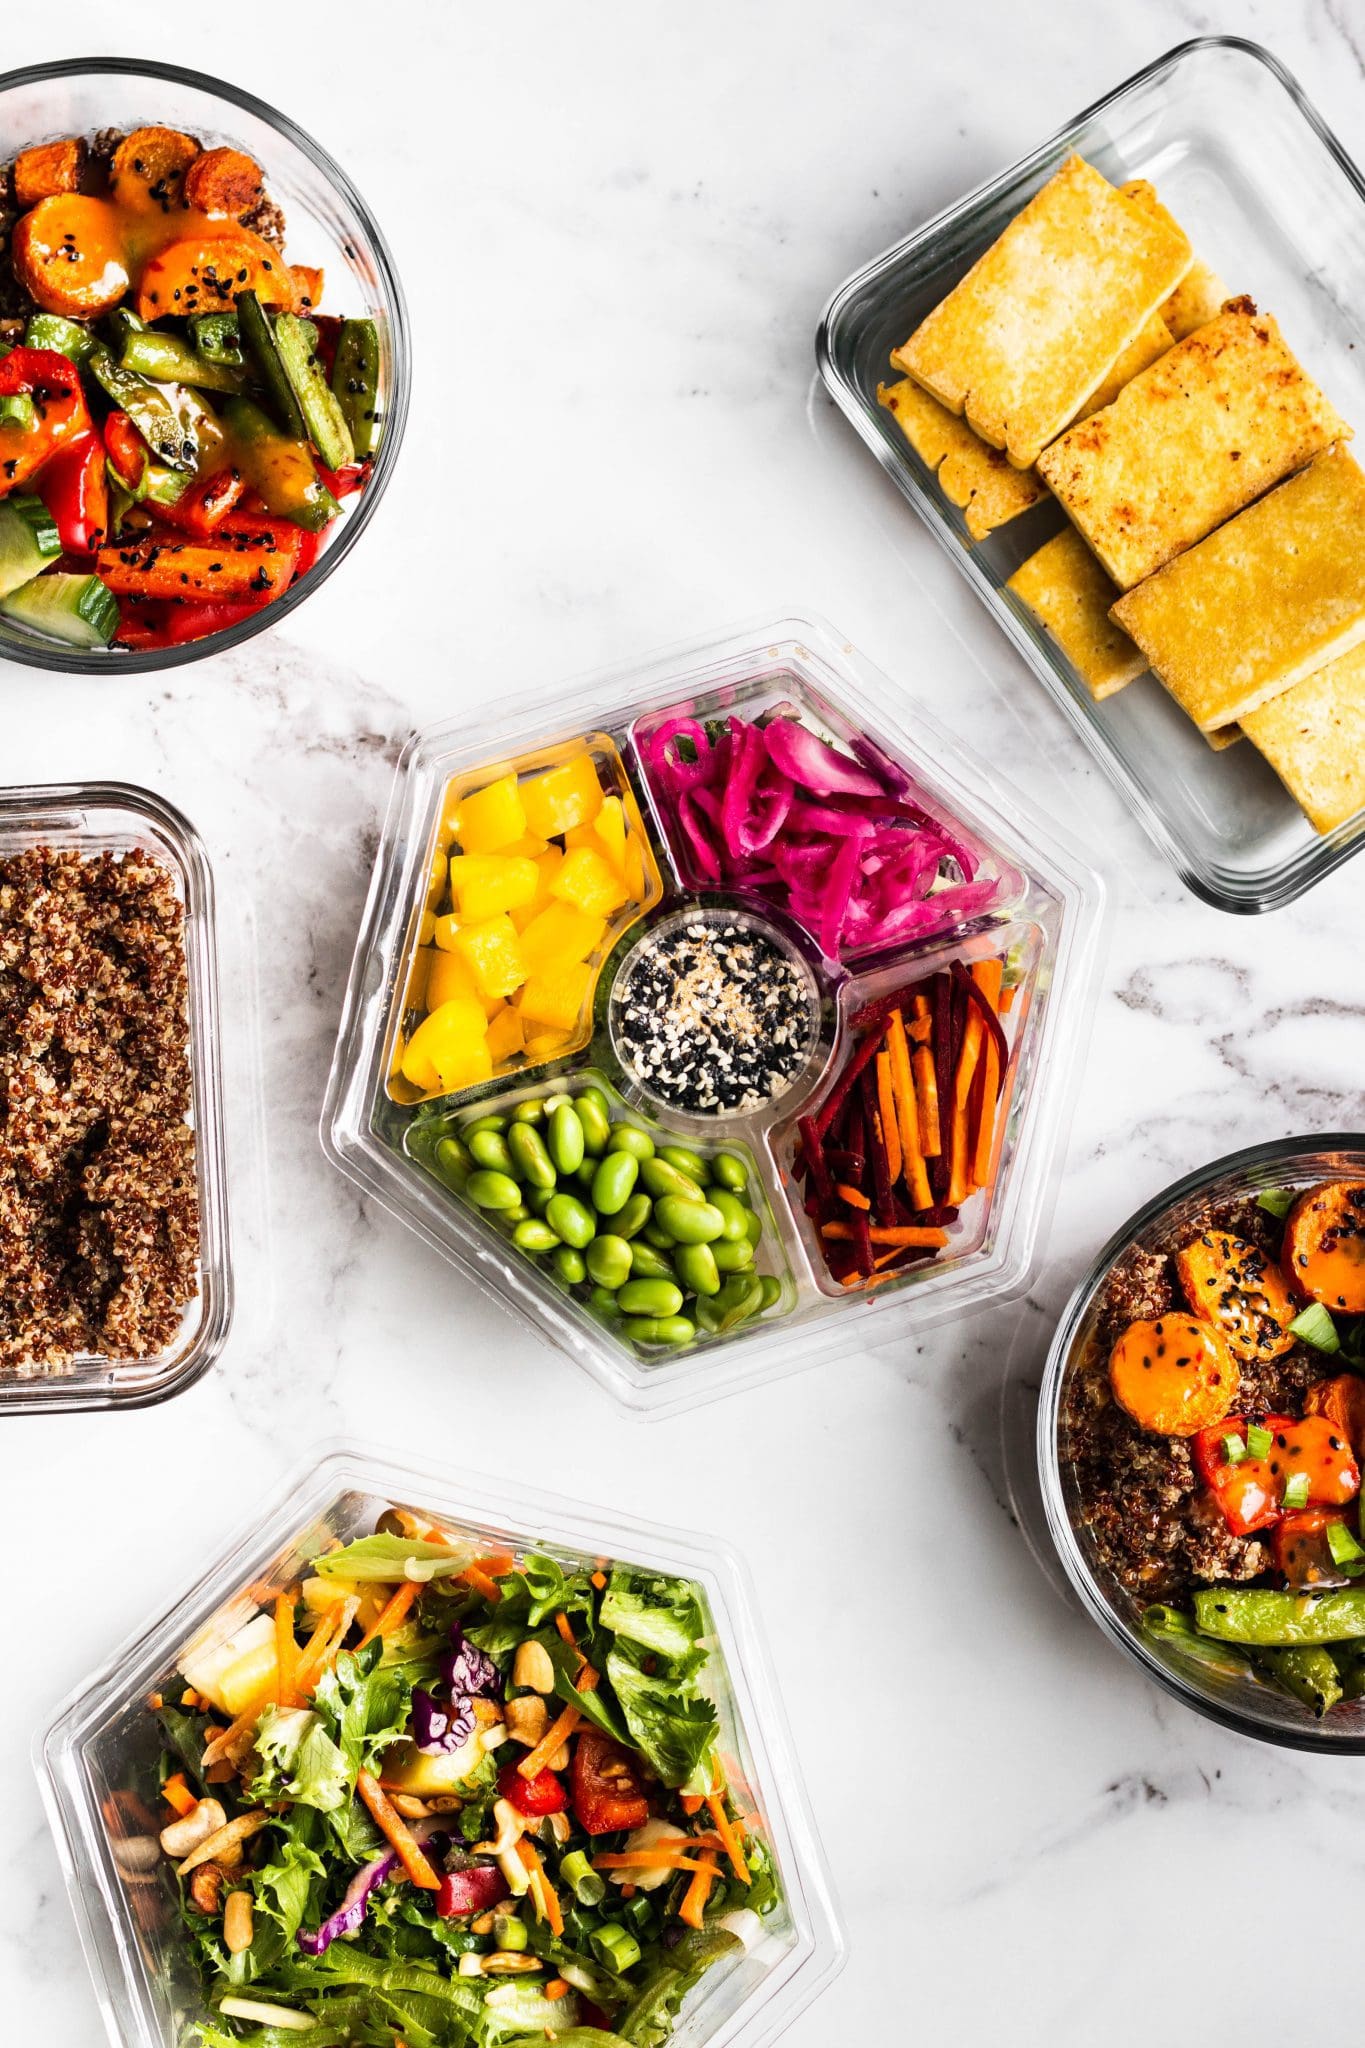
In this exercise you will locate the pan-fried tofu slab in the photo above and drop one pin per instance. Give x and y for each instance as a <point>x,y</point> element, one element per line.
<point>1265,601</point>
<point>1211,425</point>
<point>971,474</point>
<point>1201,291</point>
<point>1154,340</point>
<point>1314,738</point>
<point>1040,319</point>
<point>1068,593</point>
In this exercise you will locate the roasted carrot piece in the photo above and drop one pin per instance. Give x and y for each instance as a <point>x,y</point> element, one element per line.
<point>68,254</point>
<point>48,171</point>
<point>147,169</point>
<point>225,181</point>
<point>216,572</point>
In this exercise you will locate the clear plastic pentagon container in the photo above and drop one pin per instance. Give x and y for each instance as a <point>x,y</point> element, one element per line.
<point>97,1759</point>
<point>117,818</point>
<point>1015,894</point>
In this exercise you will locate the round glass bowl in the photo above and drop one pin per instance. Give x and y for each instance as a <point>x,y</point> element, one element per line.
<point>328,225</point>
<point>714,1013</point>
<point>1234,1697</point>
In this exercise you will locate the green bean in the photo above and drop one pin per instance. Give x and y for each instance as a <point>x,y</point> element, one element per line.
<point>685,1160</point>
<point>772,1290</point>
<point>614,1182</point>
<point>650,1298</point>
<point>753,1225</point>
<point>1279,1621</point>
<point>653,1234</point>
<point>534,1236</point>
<point>490,1149</point>
<point>594,1095</point>
<point>585,1173</point>
<point>633,1216</point>
<point>570,1265</point>
<point>629,1138</point>
<point>530,1157</point>
<point>532,1112</point>
<point>689,1222</point>
<point>648,1263</point>
<point>609,1261</point>
<point>729,1172</point>
<point>696,1267</point>
<point>489,1190</point>
<point>565,1138</point>
<point>662,1179</point>
<point>734,1258</point>
<point>733,1210</point>
<point>518,1213</point>
<point>483,1123</point>
<point>675,1331</point>
<point>1307,1675</point>
<point>537,1200</point>
<point>551,1103</point>
<point>602,1301</point>
<point>571,1220</point>
<point>452,1161</point>
<point>596,1129</point>
<point>740,1297</point>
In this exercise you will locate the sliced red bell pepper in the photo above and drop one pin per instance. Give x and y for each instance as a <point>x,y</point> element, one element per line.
<point>1302,1550</point>
<point>608,1793</point>
<point>1248,1492</point>
<point>162,624</point>
<point>1317,1449</point>
<point>348,480</point>
<point>73,485</point>
<point>202,509</point>
<point>471,1891</point>
<point>53,382</point>
<point>539,1795</point>
<point>277,536</point>
<point>126,449</point>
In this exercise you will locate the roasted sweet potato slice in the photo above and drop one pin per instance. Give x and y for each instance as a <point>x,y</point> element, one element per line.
<point>1342,1401</point>
<point>225,181</point>
<point>48,171</point>
<point>147,170</point>
<point>1174,1376</point>
<point>1324,1245</point>
<point>205,273</point>
<point>308,283</point>
<point>1230,1282</point>
<point>68,255</point>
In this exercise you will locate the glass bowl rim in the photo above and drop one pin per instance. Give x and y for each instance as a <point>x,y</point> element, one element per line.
<point>1311,1736</point>
<point>150,661</point>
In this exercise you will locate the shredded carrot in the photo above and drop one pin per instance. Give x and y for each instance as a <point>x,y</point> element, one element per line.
<point>556,1989</point>
<point>587,1679</point>
<point>216,1749</point>
<point>177,1793</point>
<point>691,1803</point>
<point>715,1806</point>
<point>926,1236</point>
<point>546,1896</point>
<point>903,1086</point>
<point>646,1859</point>
<point>396,1834</point>
<point>392,1613</point>
<point>1007,996</point>
<point>189,1699</point>
<point>920,1031</point>
<point>962,1088</point>
<point>286,1650</point>
<point>566,1634</point>
<point>155,1702</point>
<point>926,1090</point>
<point>988,975</point>
<point>628,1891</point>
<point>694,1898</point>
<point>599,1580</point>
<point>482,1583</point>
<point>886,1102</point>
<point>853,1196</point>
<point>559,1731</point>
<point>985,1129</point>
<point>323,1648</point>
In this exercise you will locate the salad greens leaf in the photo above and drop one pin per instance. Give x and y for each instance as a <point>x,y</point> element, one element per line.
<point>666,1617</point>
<point>299,1760</point>
<point>648,2021</point>
<point>379,1558</point>
<point>674,1730</point>
<point>365,1704</point>
<point>594,1706</point>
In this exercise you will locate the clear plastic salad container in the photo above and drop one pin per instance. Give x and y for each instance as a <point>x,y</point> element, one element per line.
<point>1009,891</point>
<point>114,817</point>
<point>1271,200</point>
<point>103,1742</point>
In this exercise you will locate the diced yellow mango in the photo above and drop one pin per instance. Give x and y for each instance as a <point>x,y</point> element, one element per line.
<point>562,797</point>
<point>529,848</point>
<point>418,1067</point>
<point>416,997</point>
<point>485,883</point>
<point>492,818</point>
<point>248,1679</point>
<point>560,936</point>
<point>426,930</point>
<point>633,868</point>
<point>453,1040</point>
<point>493,951</point>
<point>506,1036</point>
<point>589,881</point>
<point>445,931</point>
<point>450,813</point>
<point>557,996</point>
<point>546,1045</point>
<point>450,978</point>
<point>610,828</point>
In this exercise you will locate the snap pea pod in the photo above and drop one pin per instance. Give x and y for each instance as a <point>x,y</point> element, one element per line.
<point>1270,1620</point>
<point>170,419</point>
<point>1169,1628</point>
<point>167,360</point>
<point>1307,1674</point>
<point>355,381</point>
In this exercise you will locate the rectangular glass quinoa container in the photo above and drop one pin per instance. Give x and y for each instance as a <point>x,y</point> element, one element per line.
<point>1271,200</point>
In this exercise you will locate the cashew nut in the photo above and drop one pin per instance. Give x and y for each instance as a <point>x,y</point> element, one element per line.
<point>206,1888</point>
<point>532,1667</point>
<point>527,1720</point>
<point>239,1923</point>
<point>203,1820</point>
<point>136,1853</point>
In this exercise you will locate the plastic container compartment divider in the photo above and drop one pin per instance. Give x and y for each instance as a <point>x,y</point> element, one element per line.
<point>114,817</point>
<point>102,1740</point>
<point>1044,904</point>
<point>1272,201</point>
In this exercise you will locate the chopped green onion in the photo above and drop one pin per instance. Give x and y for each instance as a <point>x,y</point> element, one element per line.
<point>638,1912</point>
<point>614,1947</point>
<point>1276,1201</point>
<point>509,1930</point>
<point>1260,1441</point>
<point>16,410</point>
<point>1316,1327</point>
<point>1342,1544</point>
<point>583,1881</point>
<point>1296,1491</point>
<point>1234,1449</point>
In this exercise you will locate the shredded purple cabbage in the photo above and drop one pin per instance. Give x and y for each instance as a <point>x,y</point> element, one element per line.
<point>440,1727</point>
<point>468,1672</point>
<point>353,1908</point>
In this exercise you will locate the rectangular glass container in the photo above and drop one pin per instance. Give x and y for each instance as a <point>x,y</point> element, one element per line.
<point>1271,200</point>
<point>114,817</point>
<point>1039,884</point>
<point>103,1742</point>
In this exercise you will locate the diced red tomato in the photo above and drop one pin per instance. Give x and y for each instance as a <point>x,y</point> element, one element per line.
<point>470,1891</point>
<point>1317,1447</point>
<point>73,485</point>
<point>1302,1551</point>
<point>126,449</point>
<point>607,1790</point>
<point>1248,1493</point>
<point>539,1795</point>
<point>53,382</point>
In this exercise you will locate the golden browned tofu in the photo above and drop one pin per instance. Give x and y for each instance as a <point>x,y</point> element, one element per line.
<point>1314,738</point>
<point>1153,341</point>
<point>1068,592</point>
<point>1201,292</point>
<point>971,474</point>
<point>1262,603</point>
<point>1040,319</point>
<point>1224,737</point>
<point>1211,425</point>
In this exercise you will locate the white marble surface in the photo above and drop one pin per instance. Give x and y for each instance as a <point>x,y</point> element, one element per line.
<point>617,227</point>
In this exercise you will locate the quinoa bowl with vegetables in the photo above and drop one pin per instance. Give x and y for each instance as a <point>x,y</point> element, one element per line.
<point>1201,1437</point>
<point>203,366</point>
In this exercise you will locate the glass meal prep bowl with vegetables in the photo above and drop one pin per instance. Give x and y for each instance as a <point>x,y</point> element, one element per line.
<point>427,1758</point>
<point>203,370</point>
<point>712,1009</point>
<point>1202,1436</point>
<point>115,1276</point>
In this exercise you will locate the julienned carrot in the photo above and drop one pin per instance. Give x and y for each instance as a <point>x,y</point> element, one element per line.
<point>886,1102</point>
<point>907,1111</point>
<point>926,1236</point>
<point>322,1649</point>
<point>918,1030</point>
<point>690,1803</point>
<point>985,1129</point>
<point>1007,996</point>
<point>988,975</point>
<point>855,1197</point>
<point>920,1004</point>
<point>674,1854</point>
<point>176,1793</point>
<point>926,1096</point>
<point>958,1187</point>
<point>715,1806</point>
<point>398,1836</point>
<point>564,1629</point>
<point>479,1579</point>
<point>546,1898</point>
<point>392,1613</point>
<point>693,1907</point>
<point>286,1651</point>
<point>559,1731</point>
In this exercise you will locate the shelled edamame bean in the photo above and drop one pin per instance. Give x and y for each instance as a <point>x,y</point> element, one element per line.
<point>657,1239</point>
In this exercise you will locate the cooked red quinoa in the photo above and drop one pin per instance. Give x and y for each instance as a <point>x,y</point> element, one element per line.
<point>99,1209</point>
